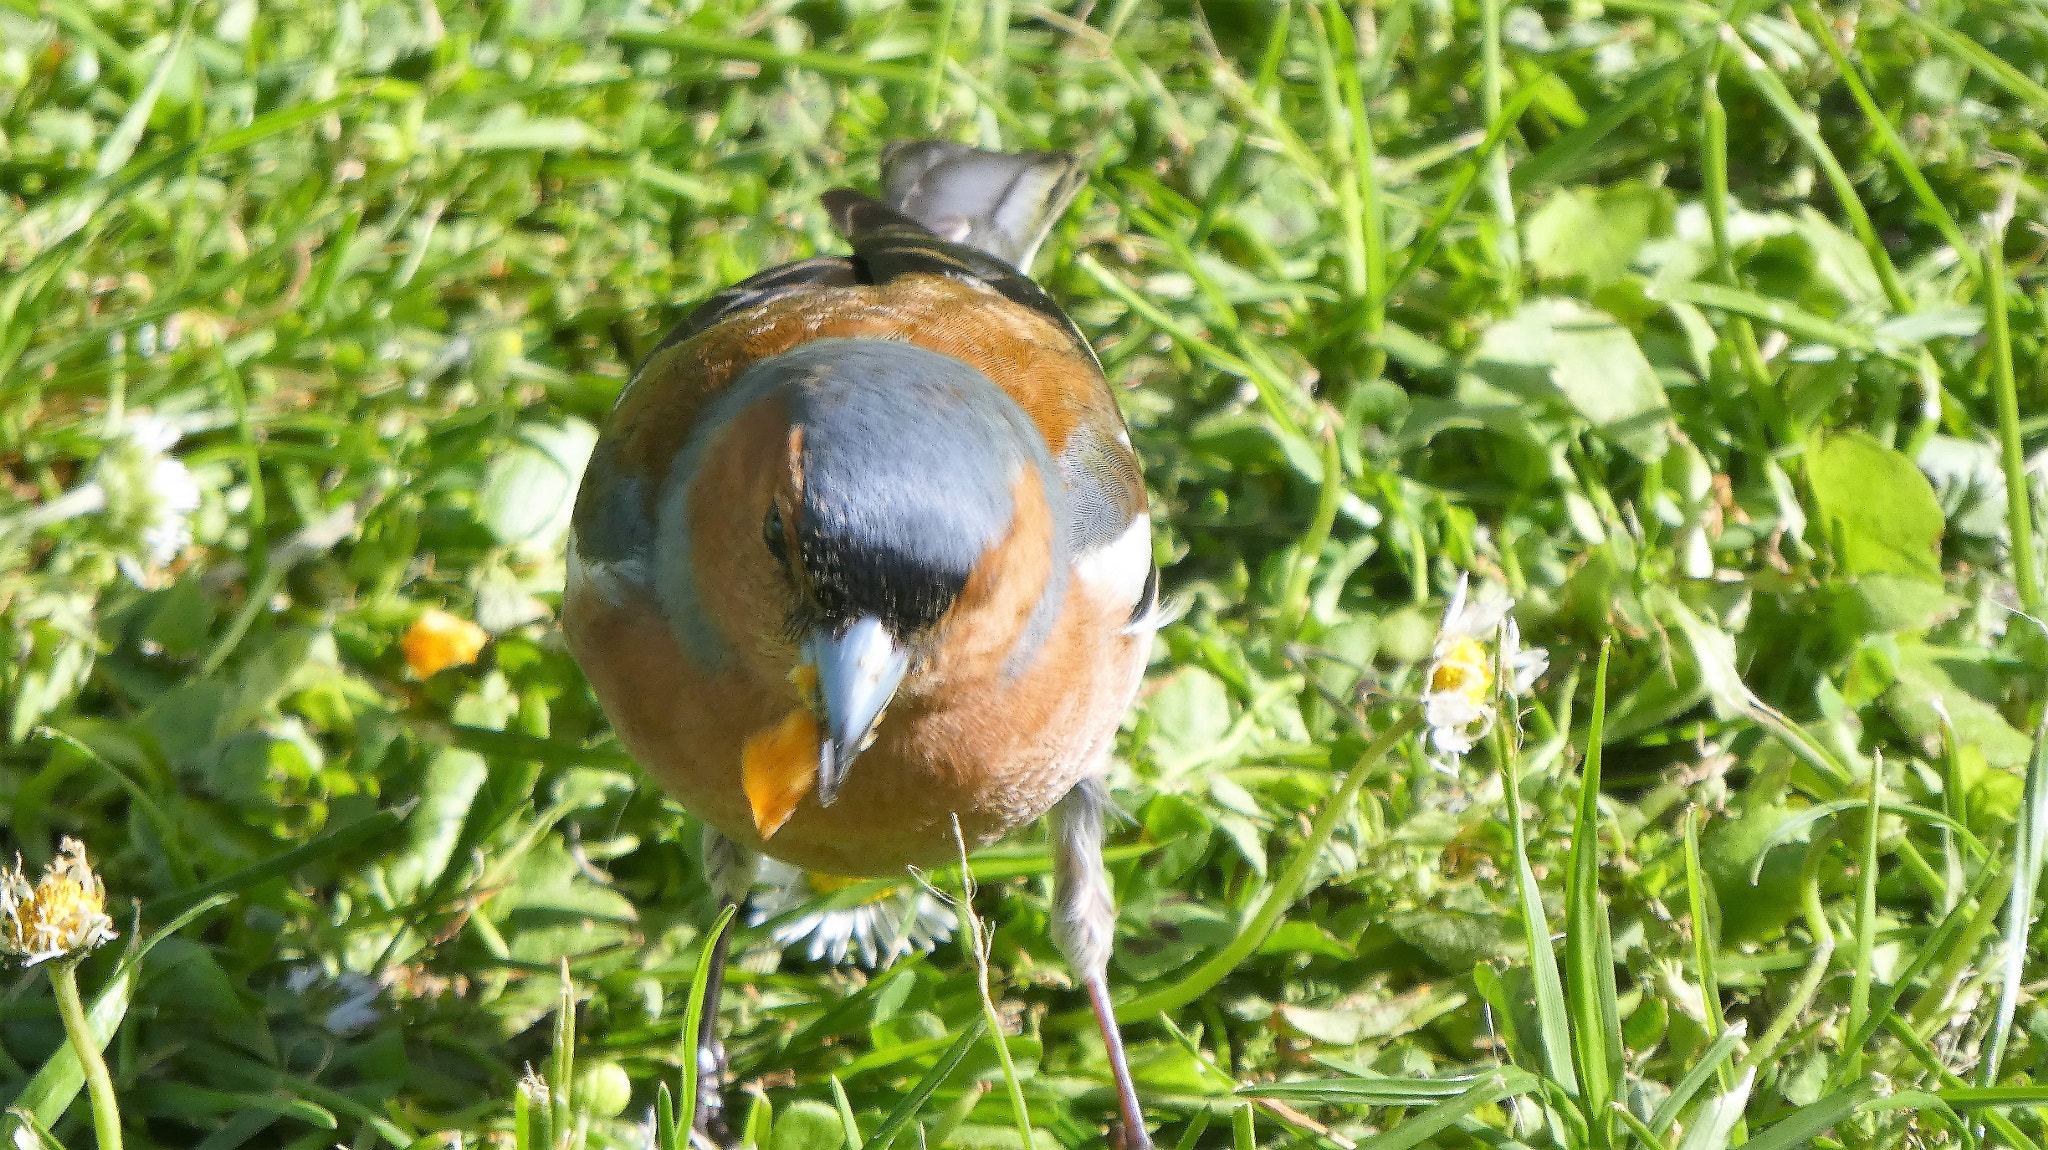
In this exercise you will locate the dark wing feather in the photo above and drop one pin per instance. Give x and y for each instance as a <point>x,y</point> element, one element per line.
<point>755,290</point>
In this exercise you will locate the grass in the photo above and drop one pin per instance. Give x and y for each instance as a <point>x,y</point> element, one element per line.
<point>1711,332</point>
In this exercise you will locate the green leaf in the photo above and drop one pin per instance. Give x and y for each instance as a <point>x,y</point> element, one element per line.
<point>1800,1127</point>
<point>1439,1117</point>
<point>2029,851</point>
<point>1875,508</point>
<point>1715,1123</point>
<point>1356,1086</point>
<point>1594,233</point>
<point>1880,603</point>
<point>431,831</point>
<point>1192,711</point>
<point>1926,680</point>
<point>807,1125</point>
<point>1564,350</point>
<point>529,491</point>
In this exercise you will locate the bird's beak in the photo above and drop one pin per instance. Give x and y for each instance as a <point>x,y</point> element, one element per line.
<point>857,676</point>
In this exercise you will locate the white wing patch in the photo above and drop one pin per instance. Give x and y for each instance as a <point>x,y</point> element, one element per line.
<point>1116,572</point>
<point>609,580</point>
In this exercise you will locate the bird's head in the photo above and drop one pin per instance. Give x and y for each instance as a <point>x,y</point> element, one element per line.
<point>871,518</point>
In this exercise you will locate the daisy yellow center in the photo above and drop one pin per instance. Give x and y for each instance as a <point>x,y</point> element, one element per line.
<point>66,911</point>
<point>830,884</point>
<point>1464,670</point>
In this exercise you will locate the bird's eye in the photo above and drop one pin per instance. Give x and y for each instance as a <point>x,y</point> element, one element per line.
<point>772,535</point>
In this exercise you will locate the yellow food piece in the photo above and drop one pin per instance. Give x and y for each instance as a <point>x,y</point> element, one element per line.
<point>777,768</point>
<point>438,640</point>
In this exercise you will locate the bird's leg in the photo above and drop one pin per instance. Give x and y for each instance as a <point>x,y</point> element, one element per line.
<point>730,870</point>
<point>1084,926</point>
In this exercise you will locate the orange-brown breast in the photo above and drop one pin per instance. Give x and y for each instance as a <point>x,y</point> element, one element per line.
<point>962,738</point>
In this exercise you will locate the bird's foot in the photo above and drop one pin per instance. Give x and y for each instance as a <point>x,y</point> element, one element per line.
<point>710,1127</point>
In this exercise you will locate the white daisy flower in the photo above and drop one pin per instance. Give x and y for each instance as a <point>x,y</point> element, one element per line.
<point>146,494</point>
<point>1458,699</point>
<point>875,932</point>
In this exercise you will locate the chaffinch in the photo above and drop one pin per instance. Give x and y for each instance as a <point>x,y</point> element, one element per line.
<point>863,554</point>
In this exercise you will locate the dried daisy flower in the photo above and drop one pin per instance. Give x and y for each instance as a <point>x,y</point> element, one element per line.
<point>64,914</point>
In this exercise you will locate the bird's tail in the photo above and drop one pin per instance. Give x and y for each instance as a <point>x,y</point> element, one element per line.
<point>1001,203</point>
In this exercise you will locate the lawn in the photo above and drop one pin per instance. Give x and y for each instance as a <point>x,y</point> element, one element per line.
<point>1712,335</point>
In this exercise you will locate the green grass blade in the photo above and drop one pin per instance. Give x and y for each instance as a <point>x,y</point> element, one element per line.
<point>1715,1125</point>
<point>1278,898</point>
<point>562,1055</point>
<point>1801,1126</point>
<point>693,1017</point>
<point>667,1136</point>
<point>715,46</point>
<point>1575,153</point>
<point>1355,1087</point>
<point>1588,947</point>
<point>1439,1117</point>
<point>846,1120</point>
<point>1709,1065</point>
<point>2030,848</point>
<point>1866,924</point>
<point>326,845</point>
<point>1895,148</point>
<point>2015,82</point>
<point>1705,931</point>
<point>2019,516</point>
<point>1424,248</point>
<point>1807,128</point>
<point>1934,1065</point>
<point>51,1091</point>
<point>908,1107</point>
<point>1553,1014</point>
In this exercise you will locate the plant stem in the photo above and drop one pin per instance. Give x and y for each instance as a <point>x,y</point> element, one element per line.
<point>106,1113</point>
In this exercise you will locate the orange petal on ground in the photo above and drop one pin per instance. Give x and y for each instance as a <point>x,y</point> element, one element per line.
<point>437,641</point>
<point>777,768</point>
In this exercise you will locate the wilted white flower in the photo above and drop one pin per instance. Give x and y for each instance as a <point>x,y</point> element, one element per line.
<point>150,495</point>
<point>145,493</point>
<point>876,932</point>
<point>1478,648</point>
<point>354,995</point>
<point>64,914</point>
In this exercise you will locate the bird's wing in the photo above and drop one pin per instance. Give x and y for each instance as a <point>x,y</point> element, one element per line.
<point>888,244</point>
<point>760,288</point>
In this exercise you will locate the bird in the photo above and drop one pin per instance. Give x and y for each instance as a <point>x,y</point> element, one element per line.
<point>861,566</point>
